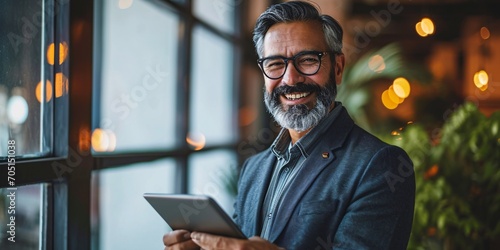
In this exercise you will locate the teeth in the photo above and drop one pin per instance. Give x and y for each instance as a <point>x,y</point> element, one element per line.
<point>295,96</point>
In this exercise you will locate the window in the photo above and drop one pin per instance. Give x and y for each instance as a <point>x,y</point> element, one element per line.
<point>212,94</point>
<point>35,124</point>
<point>32,80</point>
<point>137,101</point>
<point>165,108</point>
<point>26,82</point>
<point>132,117</point>
<point>22,218</point>
<point>124,220</point>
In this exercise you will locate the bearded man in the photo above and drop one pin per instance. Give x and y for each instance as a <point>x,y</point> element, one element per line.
<point>324,183</point>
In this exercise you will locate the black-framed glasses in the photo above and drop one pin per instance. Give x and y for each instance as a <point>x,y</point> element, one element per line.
<point>306,62</point>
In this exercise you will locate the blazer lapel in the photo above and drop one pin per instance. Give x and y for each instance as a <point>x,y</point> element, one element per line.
<point>311,168</point>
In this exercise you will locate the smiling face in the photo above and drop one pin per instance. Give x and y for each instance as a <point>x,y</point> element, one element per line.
<point>297,101</point>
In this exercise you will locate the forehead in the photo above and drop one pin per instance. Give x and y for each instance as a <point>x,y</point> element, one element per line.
<point>290,38</point>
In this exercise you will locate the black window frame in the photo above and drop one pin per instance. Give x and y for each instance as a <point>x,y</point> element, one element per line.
<point>67,172</point>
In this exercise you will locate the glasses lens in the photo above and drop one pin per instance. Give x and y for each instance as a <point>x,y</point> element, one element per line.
<point>308,63</point>
<point>274,67</point>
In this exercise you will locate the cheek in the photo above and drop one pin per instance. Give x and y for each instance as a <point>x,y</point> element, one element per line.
<point>271,85</point>
<point>321,80</point>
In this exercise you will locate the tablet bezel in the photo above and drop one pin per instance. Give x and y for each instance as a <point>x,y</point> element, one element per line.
<point>198,213</point>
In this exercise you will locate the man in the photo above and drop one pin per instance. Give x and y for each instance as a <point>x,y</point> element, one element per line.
<point>324,183</point>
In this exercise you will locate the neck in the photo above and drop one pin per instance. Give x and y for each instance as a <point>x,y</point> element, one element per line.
<point>296,135</point>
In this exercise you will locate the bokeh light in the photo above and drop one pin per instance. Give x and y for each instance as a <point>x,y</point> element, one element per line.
<point>485,33</point>
<point>63,53</point>
<point>420,31</point>
<point>401,87</point>
<point>48,91</point>
<point>125,4</point>
<point>388,103</point>
<point>103,140</point>
<point>196,140</point>
<point>61,85</point>
<point>393,96</point>
<point>396,93</point>
<point>51,54</point>
<point>484,87</point>
<point>481,79</point>
<point>376,63</point>
<point>84,139</point>
<point>427,25</point>
<point>17,109</point>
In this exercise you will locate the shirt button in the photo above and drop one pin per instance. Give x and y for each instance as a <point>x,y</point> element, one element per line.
<point>287,169</point>
<point>270,215</point>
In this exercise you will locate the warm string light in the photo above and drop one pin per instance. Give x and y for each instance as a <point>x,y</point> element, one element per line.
<point>196,140</point>
<point>396,93</point>
<point>63,53</point>
<point>481,80</point>
<point>47,89</point>
<point>425,27</point>
<point>103,140</point>
<point>376,63</point>
<point>481,77</point>
<point>61,81</point>
<point>397,133</point>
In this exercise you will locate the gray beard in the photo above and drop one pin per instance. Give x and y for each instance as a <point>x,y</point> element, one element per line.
<point>299,117</point>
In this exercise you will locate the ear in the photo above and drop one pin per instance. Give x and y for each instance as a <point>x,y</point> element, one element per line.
<point>338,69</point>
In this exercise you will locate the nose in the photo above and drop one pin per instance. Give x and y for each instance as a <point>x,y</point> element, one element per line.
<point>292,76</point>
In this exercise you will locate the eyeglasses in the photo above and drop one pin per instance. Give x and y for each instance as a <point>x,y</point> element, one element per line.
<point>306,62</point>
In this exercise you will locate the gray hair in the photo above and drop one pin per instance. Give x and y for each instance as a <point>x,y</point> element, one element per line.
<point>297,11</point>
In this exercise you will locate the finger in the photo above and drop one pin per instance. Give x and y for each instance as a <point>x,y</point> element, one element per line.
<point>185,245</point>
<point>176,237</point>
<point>256,238</point>
<point>262,241</point>
<point>209,241</point>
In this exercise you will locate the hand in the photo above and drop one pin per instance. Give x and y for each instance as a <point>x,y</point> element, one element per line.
<point>179,240</point>
<point>215,242</point>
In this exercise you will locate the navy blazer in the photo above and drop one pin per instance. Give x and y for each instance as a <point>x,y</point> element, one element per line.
<point>353,192</point>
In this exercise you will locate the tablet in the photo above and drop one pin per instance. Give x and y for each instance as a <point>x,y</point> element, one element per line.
<point>194,213</point>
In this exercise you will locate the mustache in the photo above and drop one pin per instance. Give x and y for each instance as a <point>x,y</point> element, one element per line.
<point>299,87</point>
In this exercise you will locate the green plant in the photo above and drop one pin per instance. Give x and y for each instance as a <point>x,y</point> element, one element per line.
<point>457,174</point>
<point>384,63</point>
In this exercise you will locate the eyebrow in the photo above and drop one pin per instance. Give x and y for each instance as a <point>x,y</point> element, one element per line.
<point>302,51</point>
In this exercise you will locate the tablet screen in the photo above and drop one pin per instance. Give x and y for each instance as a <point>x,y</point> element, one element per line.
<point>194,213</point>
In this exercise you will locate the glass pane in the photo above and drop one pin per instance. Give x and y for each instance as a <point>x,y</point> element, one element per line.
<point>121,217</point>
<point>214,174</point>
<point>26,103</point>
<point>212,93</point>
<point>137,83</point>
<point>219,13</point>
<point>21,218</point>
